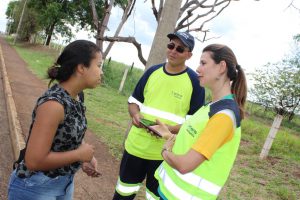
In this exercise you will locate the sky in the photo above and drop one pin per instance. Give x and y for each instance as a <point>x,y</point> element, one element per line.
<point>257,31</point>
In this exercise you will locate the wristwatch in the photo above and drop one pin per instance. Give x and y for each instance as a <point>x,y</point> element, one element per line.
<point>162,151</point>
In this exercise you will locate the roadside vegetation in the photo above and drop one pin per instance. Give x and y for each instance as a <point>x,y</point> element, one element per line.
<point>277,177</point>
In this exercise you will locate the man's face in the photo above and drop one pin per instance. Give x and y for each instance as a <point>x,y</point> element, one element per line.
<point>177,53</point>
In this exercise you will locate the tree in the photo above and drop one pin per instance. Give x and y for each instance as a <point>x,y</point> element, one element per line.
<point>20,21</point>
<point>29,25</point>
<point>10,15</point>
<point>189,19</point>
<point>292,4</point>
<point>283,87</point>
<point>54,16</point>
<point>41,15</point>
<point>84,14</point>
<point>277,86</point>
<point>167,21</point>
<point>101,24</point>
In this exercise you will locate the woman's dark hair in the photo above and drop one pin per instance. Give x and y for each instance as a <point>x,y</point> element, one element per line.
<point>77,52</point>
<point>235,73</point>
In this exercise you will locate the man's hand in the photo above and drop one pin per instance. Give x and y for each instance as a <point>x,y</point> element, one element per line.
<point>136,120</point>
<point>135,114</point>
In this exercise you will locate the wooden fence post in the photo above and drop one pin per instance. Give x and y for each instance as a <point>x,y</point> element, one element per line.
<point>272,134</point>
<point>131,68</point>
<point>123,80</point>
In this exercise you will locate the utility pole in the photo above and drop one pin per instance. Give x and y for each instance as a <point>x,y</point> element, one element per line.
<point>20,22</point>
<point>166,24</point>
<point>12,18</point>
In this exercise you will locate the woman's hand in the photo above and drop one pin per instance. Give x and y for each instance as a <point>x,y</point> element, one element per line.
<point>170,143</point>
<point>162,129</point>
<point>85,152</point>
<point>90,168</point>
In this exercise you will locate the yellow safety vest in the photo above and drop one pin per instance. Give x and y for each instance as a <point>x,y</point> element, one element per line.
<point>207,180</point>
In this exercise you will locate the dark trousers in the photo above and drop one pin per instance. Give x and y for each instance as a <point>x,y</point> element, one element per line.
<point>134,170</point>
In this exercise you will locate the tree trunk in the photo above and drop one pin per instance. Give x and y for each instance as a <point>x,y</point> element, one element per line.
<point>103,25</point>
<point>49,34</point>
<point>166,25</point>
<point>20,22</point>
<point>272,134</point>
<point>292,114</point>
<point>125,16</point>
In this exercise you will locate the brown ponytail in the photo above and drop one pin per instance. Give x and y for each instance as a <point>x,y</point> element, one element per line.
<point>234,72</point>
<point>239,89</point>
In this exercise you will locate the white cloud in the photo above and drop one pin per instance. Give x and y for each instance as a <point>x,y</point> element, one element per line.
<point>3,19</point>
<point>141,23</point>
<point>261,31</point>
<point>127,53</point>
<point>257,31</point>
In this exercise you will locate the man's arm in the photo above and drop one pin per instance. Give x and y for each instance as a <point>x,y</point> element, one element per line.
<point>135,114</point>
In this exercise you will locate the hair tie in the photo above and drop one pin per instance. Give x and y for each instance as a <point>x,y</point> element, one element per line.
<point>57,65</point>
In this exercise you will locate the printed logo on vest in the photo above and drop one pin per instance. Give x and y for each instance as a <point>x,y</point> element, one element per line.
<point>191,131</point>
<point>177,95</point>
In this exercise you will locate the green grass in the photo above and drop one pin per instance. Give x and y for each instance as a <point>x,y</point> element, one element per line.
<point>39,61</point>
<point>107,117</point>
<point>277,177</point>
<point>113,74</point>
<point>268,115</point>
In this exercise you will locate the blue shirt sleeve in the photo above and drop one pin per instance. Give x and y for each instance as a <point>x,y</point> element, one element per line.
<point>198,94</point>
<point>138,92</point>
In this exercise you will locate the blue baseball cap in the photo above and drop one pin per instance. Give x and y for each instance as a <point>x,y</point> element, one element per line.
<point>186,38</point>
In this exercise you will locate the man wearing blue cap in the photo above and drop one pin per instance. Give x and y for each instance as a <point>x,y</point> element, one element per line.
<point>169,92</point>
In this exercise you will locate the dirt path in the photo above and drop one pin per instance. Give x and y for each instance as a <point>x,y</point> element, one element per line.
<point>26,88</point>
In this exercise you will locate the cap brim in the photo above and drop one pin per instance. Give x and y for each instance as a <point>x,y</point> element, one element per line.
<point>173,35</point>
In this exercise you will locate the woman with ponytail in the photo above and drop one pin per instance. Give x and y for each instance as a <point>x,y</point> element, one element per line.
<point>55,149</point>
<point>197,162</point>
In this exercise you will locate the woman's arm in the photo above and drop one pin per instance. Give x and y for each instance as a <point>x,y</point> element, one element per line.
<point>210,140</point>
<point>38,155</point>
<point>182,163</point>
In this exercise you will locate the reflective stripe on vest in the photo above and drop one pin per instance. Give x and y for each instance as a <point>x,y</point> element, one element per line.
<point>187,117</point>
<point>173,188</point>
<point>150,195</point>
<point>127,189</point>
<point>194,180</point>
<point>199,182</point>
<point>155,112</point>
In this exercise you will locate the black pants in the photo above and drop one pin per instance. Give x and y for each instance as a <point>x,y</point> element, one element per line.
<point>134,170</point>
